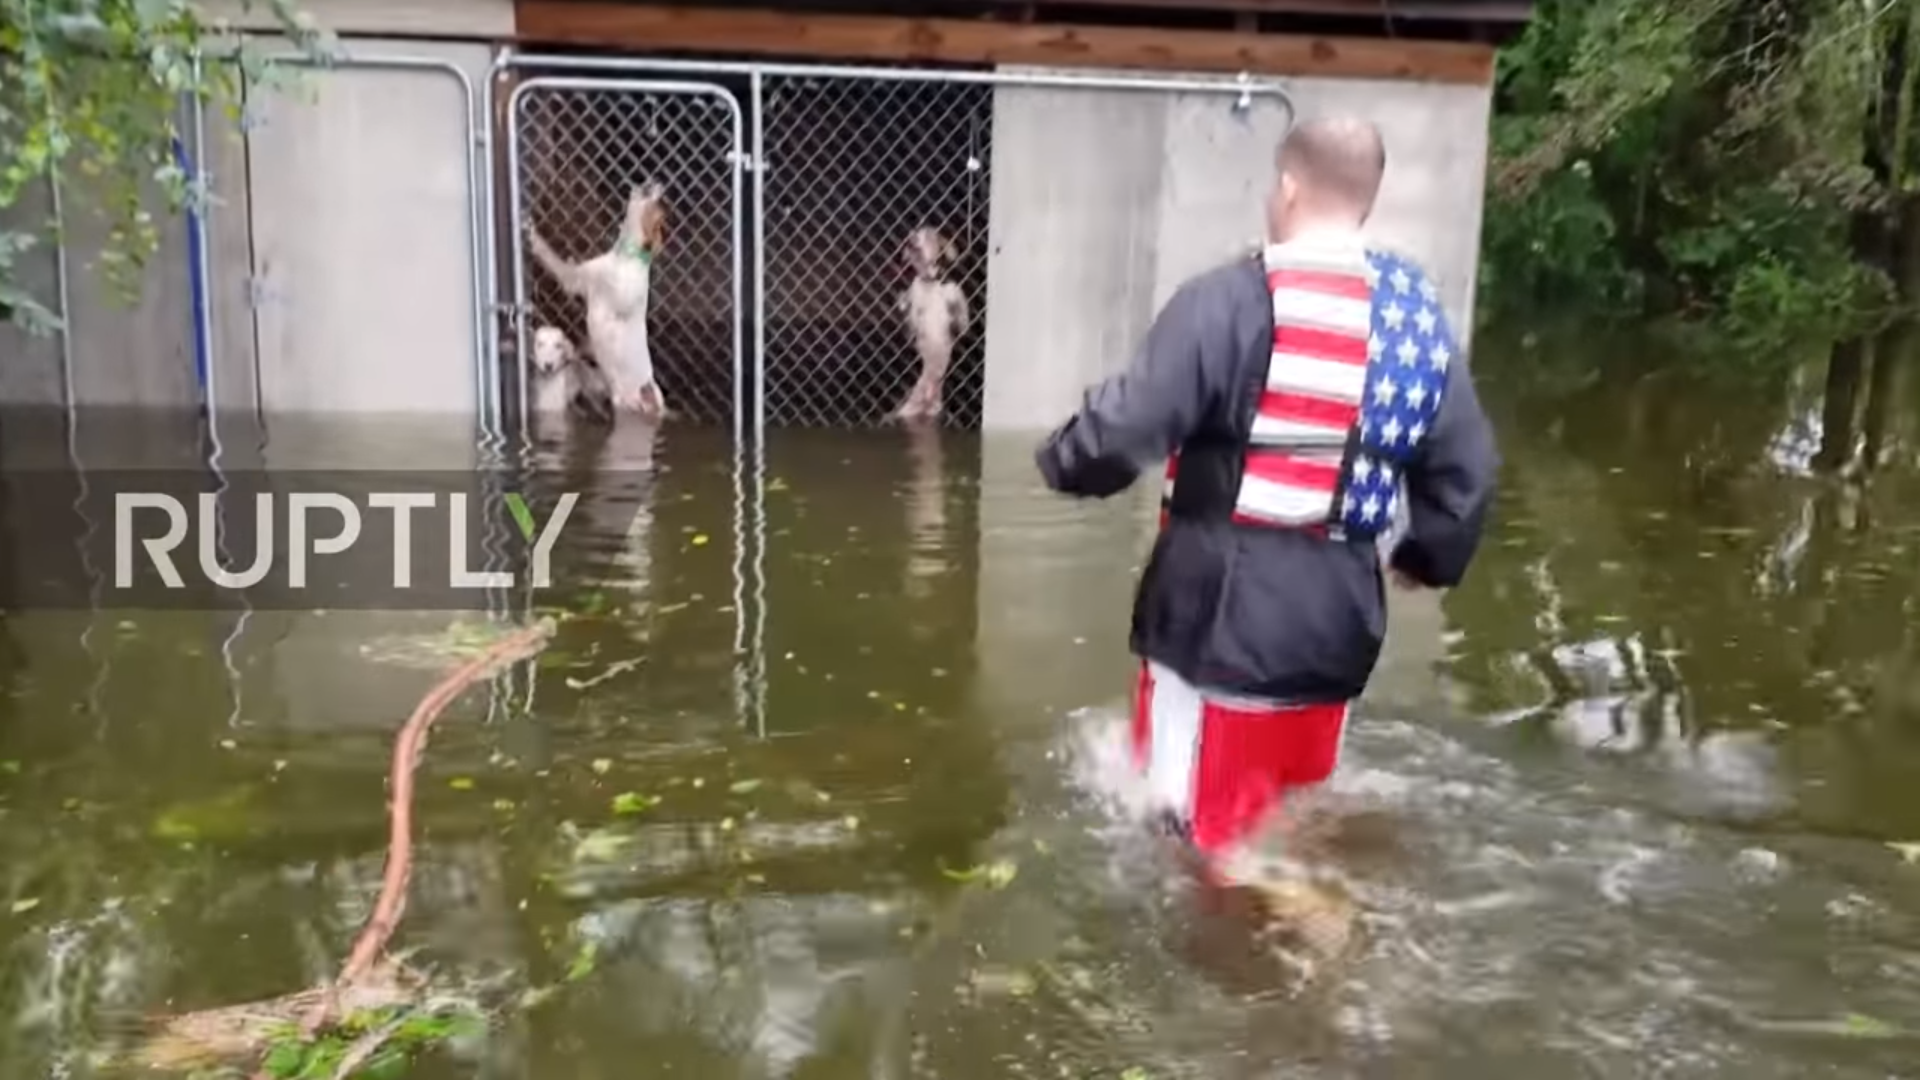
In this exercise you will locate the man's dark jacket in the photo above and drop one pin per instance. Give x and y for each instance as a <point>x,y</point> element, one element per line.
<point>1259,611</point>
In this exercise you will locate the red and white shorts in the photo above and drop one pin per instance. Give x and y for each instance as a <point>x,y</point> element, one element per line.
<point>1221,763</point>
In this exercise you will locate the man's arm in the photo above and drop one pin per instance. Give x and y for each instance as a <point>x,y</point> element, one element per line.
<point>1142,414</point>
<point>1449,483</point>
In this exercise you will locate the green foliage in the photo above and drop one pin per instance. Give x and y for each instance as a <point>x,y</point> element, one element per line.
<point>403,1035</point>
<point>1734,162</point>
<point>91,94</point>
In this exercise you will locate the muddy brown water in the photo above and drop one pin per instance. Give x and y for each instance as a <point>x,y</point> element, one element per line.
<point>1646,774</point>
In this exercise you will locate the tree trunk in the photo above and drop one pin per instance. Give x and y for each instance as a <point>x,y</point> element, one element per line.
<point>1893,352</point>
<point>1845,367</point>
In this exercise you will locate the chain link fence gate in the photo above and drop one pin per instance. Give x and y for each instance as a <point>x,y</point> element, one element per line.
<point>578,146</point>
<point>846,163</point>
<point>858,165</point>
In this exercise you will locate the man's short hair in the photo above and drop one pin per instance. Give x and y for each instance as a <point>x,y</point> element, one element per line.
<point>1339,160</point>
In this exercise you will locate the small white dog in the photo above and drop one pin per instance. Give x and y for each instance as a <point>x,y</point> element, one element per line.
<point>936,315</point>
<point>617,287</point>
<point>566,383</point>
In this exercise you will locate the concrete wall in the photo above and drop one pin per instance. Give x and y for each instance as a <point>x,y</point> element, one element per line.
<point>478,19</point>
<point>338,246</point>
<point>1073,238</point>
<point>1105,201</point>
<point>122,354</point>
<point>31,373</point>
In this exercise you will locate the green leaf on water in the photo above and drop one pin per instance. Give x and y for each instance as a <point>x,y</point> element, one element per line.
<point>1866,1027</point>
<point>996,875</point>
<point>600,845</point>
<point>522,516</point>
<point>628,802</point>
<point>285,1059</point>
<point>699,539</point>
<point>461,783</point>
<point>583,962</point>
<point>10,767</point>
<point>21,907</point>
<point>741,787</point>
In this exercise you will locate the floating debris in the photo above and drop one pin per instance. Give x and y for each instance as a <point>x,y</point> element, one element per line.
<point>613,669</point>
<point>376,1003</point>
<point>629,802</point>
<point>995,875</point>
<point>462,640</point>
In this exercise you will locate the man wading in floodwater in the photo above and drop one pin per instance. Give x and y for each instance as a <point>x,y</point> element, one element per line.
<point>1298,395</point>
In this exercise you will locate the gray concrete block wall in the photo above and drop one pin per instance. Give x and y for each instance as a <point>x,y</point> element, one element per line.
<point>1218,165</point>
<point>1072,237</point>
<point>478,19</point>
<point>30,364</point>
<point>349,208</point>
<point>1105,201</point>
<point>127,354</point>
<point>234,385</point>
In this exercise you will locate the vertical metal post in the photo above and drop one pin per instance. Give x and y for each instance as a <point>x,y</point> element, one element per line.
<point>516,215</point>
<point>743,160</point>
<point>490,203</point>
<point>202,270</point>
<point>760,173</point>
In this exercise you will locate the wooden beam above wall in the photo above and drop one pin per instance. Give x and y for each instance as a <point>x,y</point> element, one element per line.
<point>1488,11</point>
<point>652,29</point>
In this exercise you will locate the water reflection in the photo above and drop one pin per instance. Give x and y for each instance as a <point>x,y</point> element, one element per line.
<point>1640,773</point>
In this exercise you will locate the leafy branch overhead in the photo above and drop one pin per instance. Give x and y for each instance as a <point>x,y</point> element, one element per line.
<point>91,95</point>
<point>1747,160</point>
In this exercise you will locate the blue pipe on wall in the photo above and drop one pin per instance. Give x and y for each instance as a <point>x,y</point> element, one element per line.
<point>195,256</point>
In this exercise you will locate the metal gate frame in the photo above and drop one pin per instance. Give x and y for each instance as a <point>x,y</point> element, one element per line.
<point>516,211</point>
<point>478,155</point>
<point>1243,89</point>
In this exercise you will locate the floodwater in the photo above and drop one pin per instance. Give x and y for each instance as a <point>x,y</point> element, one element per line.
<point>823,781</point>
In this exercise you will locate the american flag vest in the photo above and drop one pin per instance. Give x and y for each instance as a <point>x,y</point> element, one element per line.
<point>1353,384</point>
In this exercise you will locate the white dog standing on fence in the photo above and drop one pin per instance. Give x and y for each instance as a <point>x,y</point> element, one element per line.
<point>617,286</point>
<point>936,312</point>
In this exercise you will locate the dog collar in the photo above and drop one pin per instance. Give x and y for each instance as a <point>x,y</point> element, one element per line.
<point>634,251</point>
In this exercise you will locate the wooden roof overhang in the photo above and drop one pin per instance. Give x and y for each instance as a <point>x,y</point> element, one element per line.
<point>1449,41</point>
